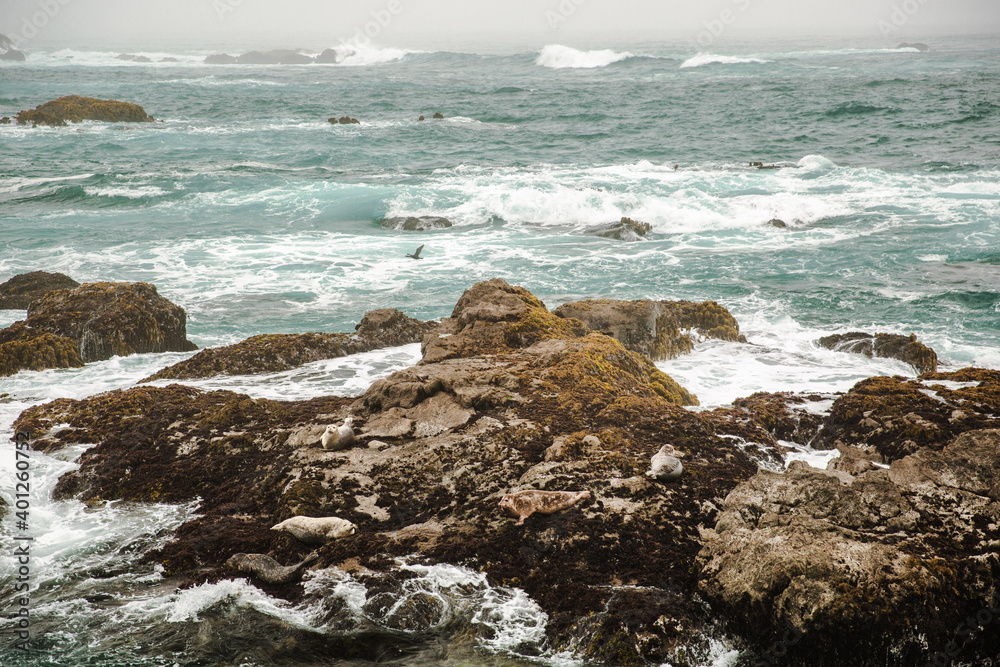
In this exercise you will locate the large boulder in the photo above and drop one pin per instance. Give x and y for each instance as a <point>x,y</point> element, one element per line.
<point>658,329</point>
<point>18,292</point>
<point>625,229</point>
<point>74,108</point>
<point>867,566</point>
<point>109,319</point>
<point>9,50</point>
<point>889,346</point>
<point>501,383</point>
<point>270,353</point>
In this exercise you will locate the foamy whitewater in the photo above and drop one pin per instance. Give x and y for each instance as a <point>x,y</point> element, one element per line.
<point>246,207</point>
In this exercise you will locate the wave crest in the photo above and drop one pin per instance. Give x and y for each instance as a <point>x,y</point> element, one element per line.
<point>558,56</point>
<point>712,59</point>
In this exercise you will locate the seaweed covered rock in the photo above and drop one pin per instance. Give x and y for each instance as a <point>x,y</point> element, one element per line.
<point>892,417</point>
<point>438,446</point>
<point>18,292</point>
<point>270,353</point>
<point>868,569</point>
<point>890,346</point>
<point>74,108</point>
<point>658,329</point>
<point>26,349</point>
<point>625,229</point>
<point>109,319</point>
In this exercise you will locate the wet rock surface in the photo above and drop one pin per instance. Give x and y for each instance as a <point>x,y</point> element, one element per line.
<point>859,560</point>
<point>625,229</point>
<point>421,223</point>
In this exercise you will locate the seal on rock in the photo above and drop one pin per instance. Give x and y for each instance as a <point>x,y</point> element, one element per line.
<point>316,530</point>
<point>269,570</point>
<point>523,504</point>
<point>339,437</point>
<point>665,466</point>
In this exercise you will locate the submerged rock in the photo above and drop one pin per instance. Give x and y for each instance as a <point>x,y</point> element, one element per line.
<point>658,329</point>
<point>422,223</point>
<point>75,108</point>
<point>625,229</point>
<point>112,319</point>
<point>919,46</point>
<point>18,292</point>
<point>270,353</point>
<point>891,346</point>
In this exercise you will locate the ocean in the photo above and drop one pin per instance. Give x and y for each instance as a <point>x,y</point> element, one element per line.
<point>243,205</point>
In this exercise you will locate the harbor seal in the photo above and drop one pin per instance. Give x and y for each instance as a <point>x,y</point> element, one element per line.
<point>316,530</point>
<point>665,466</point>
<point>269,570</point>
<point>523,504</point>
<point>340,437</point>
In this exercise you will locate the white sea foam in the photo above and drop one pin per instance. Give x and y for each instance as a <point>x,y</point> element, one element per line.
<point>356,55</point>
<point>129,192</point>
<point>557,56</point>
<point>703,59</point>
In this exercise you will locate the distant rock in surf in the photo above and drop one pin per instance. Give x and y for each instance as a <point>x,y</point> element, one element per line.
<point>887,346</point>
<point>168,59</point>
<point>919,46</point>
<point>438,115</point>
<point>75,108</point>
<point>5,120</point>
<point>415,224</point>
<point>625,229</point>
<point>9,51</point>
<point>275,57</point>
<point>777,222</point>
<point>129,57</point>
<point>343,120</point>
<point>220,59</point>
<point>330,57</point>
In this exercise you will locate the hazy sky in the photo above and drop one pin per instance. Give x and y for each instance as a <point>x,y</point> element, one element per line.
<point>318,23</point>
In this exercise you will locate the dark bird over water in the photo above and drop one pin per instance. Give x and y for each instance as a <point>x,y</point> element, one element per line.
<point>416,255</point>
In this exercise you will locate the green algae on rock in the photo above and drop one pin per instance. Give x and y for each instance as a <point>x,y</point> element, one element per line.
<point>890,346</point>
<point>25,349</point>
<point>74,108</point>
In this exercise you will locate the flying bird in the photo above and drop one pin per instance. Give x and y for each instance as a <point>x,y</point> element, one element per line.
<point>416,255</point>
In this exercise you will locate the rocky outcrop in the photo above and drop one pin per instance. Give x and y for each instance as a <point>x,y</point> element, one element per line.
<point>18,292</point>
<point>625,229</point>
<point>220,59</point>
<point>329,57</point>
<point>109,319</point>
<point>658,329</point>
<point>867,566</point>
<point>893,417</point>
<point>270,353</point>
<point>439,445</point>
<point>9,50</point>
<point>889,346</point>
<point>343,120</point>
<point>74,108</point>
<point>275,57</point>
<point>133,58</point>
<point>422,223</point>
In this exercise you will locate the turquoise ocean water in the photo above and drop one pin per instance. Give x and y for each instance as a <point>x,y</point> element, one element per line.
<point>244,206</point>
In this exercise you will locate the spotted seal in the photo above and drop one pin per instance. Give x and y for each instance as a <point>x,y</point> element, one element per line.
<point>269,570</point>
<point>523,504</point>
<point>316,530</point>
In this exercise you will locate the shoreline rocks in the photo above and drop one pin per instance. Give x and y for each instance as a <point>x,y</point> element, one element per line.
<point>9,50</point>
<point>18,292</point>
